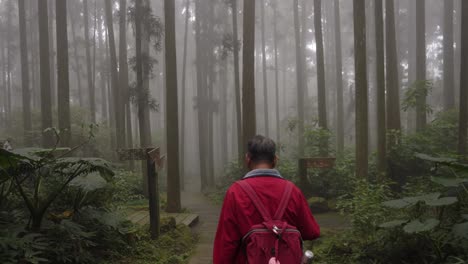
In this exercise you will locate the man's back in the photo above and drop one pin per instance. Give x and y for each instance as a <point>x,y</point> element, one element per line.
<point>239,214</point>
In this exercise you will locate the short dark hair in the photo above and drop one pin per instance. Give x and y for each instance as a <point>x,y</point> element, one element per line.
<point>261,149</point>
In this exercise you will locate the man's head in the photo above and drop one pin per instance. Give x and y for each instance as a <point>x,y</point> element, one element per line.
<point>261,153</point>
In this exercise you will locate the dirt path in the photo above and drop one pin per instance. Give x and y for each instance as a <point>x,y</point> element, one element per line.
<point>208,213</point>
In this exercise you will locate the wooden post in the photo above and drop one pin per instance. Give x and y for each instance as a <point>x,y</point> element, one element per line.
<point>153,193</point>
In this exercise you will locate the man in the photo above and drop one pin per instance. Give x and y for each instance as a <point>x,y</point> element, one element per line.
<point>239,213</point>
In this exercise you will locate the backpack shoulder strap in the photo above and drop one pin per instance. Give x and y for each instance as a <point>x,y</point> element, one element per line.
<point>255,199</point>
<point>284,201</point>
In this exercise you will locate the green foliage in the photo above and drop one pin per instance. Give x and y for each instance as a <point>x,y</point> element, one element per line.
<point>419,89</point>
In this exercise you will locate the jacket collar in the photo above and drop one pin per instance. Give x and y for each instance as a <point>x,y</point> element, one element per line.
<point>263,172</point>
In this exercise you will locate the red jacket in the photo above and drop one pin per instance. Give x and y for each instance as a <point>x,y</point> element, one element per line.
<point>239,214</point>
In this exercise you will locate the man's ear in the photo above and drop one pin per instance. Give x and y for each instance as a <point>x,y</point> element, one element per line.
<point>247,160</point>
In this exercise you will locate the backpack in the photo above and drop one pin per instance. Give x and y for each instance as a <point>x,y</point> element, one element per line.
<point>274,241</point>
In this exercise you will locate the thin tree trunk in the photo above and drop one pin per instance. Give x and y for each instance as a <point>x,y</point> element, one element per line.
<point>248,74</point>
<point>420,62</point>
<point>449,84</point>
<point>322,100</point>
<point>275,37</point>
<point>77,59</point>
<point>52,52</point>
<point>237,89</point>
<point>380,83</point>
<point>339,81</point>
<point>393,89</point>
<point>462,128</point>
<point>89,75</point>
<point>46,94</point>
<point>361,88</point>
<point>63,82</point>
<point>172,127</point>
<point>264,69</point>
<point>300,79</point>
<point>118,106</point>
<point>184,75</point>
<point>27,125</point>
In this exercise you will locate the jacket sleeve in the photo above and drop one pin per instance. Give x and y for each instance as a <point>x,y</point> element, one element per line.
<point>227,240</point>
<point>307,225</point>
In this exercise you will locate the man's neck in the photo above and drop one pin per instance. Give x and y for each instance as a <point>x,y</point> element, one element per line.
<point>262,166</point>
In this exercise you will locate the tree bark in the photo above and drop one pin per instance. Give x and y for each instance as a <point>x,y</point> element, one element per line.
<point>184,77</point>
<point>89,75</point>
<point>322,100</point>
<point>275,37</point>
<point>339,81</point>
<point>237,89</point>
<point>360,65</point>
<point>248,74</point>
<point>299,81</point>
<point>46,94</point>
<point>172,127</point>
<point>63,82</point>
<point>116,95</point>
<point>420,62</point>
<point>27,125</point>
<point>393,89</point>
<point>449,84</point>
<point>264,69</point>
<point>462,128</point>
<point>380,83</point>
<point>75,55</point>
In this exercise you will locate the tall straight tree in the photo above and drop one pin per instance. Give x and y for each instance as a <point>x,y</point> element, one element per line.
<point>237,89</point>
<point>299,80</point>
<point>73,20</point>
<point>116,95</point>
<point>380,83</point>
<point>277,96</point>
<point>449,82</point>
<point>420,61</point>
<point>463,119</point>
<point>183,89</point>
<point>89,75</point>
<point>360,67</point>
<point>264,68</point>
<point>172,119</point>
<point>46,94</point>
<point>27,125</point>
<point>248,74</point>
<point>339,81</point>
<point>392,85</point>
<point>322,106</point>
<point>63,82</point>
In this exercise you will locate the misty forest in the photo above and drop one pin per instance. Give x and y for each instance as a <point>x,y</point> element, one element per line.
<point>124,122</point>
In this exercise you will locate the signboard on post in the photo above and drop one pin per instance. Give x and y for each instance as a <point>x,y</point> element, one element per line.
<point>316,163</point>
<point>153,158</point>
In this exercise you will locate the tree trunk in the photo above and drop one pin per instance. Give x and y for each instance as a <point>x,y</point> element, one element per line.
<point>299,80</point>
<point>322,105</point>
<point>118,106</point>
<point>52,52</point>
<point>184,77</point>
<point>89,75</point>
<point>172,127</point>
<point>75,55</point>
<point>339,81</point>
<point>361,88</point>
<point>237,89</point>
<point>27,125</point>
<point>275,37</point>
<point>449,84</point>
<point>393,89</point>
<point>420,61</point>
<point>248,74</point>
<point>63,82</point>
<point>380,83</point>
<point>462,132</point>
<point>46,94</point>
<point>264,69</point>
